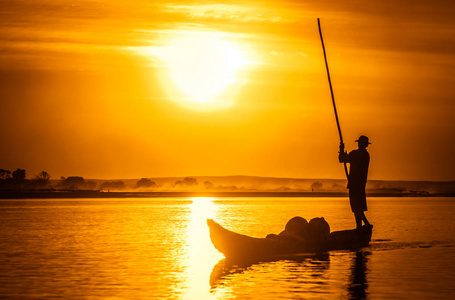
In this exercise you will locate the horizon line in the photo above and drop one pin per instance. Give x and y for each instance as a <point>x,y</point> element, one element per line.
<point>256,176</point>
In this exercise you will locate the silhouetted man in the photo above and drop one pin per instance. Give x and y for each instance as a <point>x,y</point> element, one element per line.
<point>359,160</point>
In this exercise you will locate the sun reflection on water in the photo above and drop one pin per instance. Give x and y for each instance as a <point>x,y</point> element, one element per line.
<point>202,256</point>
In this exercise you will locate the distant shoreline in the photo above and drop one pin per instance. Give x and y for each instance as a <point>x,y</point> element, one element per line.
<point>97,194</point>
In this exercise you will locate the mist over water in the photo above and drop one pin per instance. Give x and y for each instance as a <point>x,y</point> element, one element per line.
<point>159,248</point>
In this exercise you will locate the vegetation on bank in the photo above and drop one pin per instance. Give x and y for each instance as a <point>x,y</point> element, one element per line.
<point>17,181</point>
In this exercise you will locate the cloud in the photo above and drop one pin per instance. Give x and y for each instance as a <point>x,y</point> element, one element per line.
<point>235,12</point>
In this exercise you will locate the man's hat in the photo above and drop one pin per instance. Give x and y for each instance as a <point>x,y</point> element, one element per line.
<point>363,139</point>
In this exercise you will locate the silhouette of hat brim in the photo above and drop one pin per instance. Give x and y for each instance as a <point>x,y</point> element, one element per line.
<point>363,139</point>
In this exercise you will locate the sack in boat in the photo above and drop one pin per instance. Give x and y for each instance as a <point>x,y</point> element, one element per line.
<point>297,226</point>
<point>318,230</point>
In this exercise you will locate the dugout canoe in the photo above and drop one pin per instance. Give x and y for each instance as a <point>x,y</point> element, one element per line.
<point>237,246</point>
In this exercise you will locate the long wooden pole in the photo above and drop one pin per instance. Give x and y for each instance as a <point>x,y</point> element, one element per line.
<point>331,92</point>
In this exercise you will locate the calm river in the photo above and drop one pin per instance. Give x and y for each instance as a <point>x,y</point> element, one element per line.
<point>159,248</point>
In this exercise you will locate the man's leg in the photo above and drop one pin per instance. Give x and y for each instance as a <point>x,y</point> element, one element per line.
<point>364,219</point>
<point>358,219</point>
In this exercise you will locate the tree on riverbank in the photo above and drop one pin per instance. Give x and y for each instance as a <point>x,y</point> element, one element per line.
<point>17,180</point>
<point>19,175</point>
<point>76,183</point>
<point>187,182</point>
<point>13,180</point>
<point>145,183</point>
<point>5,174</point>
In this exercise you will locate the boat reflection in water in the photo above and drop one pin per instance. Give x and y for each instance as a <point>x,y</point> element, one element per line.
<point>201,254</point>
<point>304,270</point>
<point>307,275</point>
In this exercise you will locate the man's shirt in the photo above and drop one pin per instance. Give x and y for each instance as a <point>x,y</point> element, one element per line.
<point>359,160</point>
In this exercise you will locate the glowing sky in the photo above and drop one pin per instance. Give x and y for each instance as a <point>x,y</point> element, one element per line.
<point>85,88</point>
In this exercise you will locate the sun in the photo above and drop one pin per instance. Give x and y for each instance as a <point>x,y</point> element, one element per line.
<point>200,69</point>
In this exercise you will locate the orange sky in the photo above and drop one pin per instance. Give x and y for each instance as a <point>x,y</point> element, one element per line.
<point>86,88</point>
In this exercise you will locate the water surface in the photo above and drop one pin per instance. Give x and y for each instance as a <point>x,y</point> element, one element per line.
<point>159,248</point>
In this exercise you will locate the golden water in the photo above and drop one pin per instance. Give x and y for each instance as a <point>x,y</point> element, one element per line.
<point>159,248</point>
